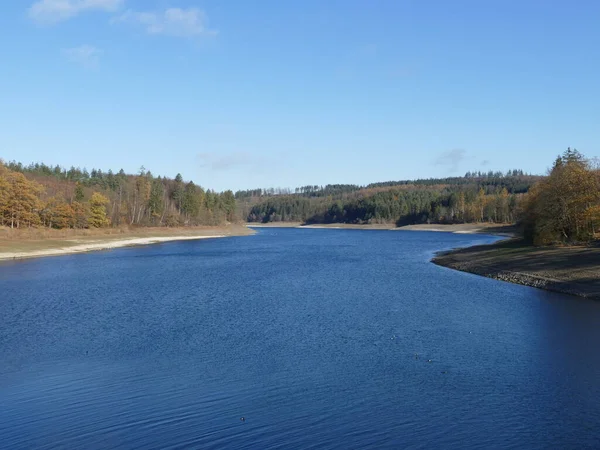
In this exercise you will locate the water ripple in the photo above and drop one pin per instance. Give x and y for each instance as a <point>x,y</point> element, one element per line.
<point>328,339</point>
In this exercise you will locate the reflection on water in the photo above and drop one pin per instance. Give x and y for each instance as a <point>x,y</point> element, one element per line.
<point>318,338</point>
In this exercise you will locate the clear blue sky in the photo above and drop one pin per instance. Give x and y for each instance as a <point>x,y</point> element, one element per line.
<point>240,94</point>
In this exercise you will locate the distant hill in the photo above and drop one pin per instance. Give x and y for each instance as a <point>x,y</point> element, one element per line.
<point>476,197</point>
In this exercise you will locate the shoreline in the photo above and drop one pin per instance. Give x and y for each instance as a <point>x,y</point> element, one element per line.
<point>565,270</point>
<point>508,231</point>
<point>480,228</point>
<point>23,248</point>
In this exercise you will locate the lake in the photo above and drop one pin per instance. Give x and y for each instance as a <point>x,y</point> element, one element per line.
<point>317,338</point>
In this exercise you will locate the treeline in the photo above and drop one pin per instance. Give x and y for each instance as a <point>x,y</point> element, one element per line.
<point>306,191</point>
<point>468,199</point>
<point>515,181</point>
<point>565,206</point>
<point>54,197</point>
<point>392,206</point>
<point>562,207</point>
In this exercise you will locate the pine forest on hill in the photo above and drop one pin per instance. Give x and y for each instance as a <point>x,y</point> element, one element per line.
<point>476,197</point>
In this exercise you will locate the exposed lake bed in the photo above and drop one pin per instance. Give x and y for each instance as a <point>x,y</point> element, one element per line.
<point>22,244</point>
<point>573,270</point>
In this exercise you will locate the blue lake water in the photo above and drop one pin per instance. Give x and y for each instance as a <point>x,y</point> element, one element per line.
<point>318,338</point>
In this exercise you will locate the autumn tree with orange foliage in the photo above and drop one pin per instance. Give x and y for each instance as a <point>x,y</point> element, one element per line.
<point>57,213</point>
<point>98,218</point>
<point>37,195</point>
<point>565,206</point>
<point>19,199</point>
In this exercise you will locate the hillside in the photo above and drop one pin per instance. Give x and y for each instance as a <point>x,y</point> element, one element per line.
<point>476,197</point>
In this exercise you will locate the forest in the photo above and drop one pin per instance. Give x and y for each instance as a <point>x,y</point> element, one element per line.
<point>563,206</point>
<point>42,196</point>
<point>476,197</point>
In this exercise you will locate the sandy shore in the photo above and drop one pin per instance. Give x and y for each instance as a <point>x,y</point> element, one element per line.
<point>350,226</point>
<point>274,224</point>
<point>334,226</point>
<point>56,244</point>
<point>107,245</point>
<point>568,270</point>
<point>464,228</point>
<point>467,228</point>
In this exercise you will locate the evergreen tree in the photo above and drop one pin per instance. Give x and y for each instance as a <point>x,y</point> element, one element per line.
<point>191,201</point>
<point>155,202</point>
<point>229,204</point>
<point>79,196</point>
<point>178,193</point>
